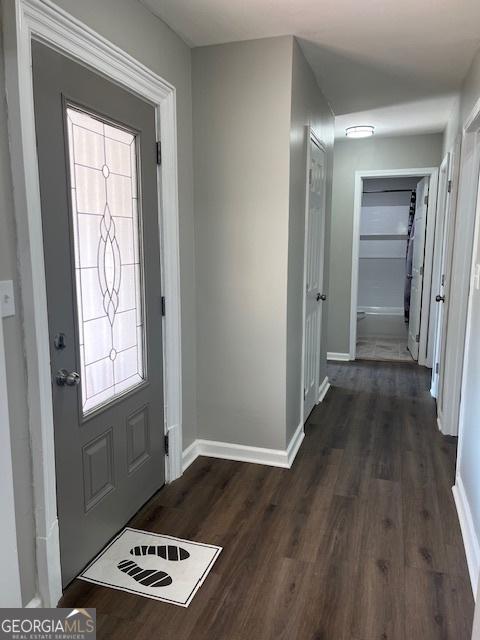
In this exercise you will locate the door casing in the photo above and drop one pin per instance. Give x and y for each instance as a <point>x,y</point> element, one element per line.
<point>425,349</point>
<point>450,420</point>
<point>34,19</point>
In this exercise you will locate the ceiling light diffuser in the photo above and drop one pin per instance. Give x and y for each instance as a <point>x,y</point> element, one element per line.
<point>362,131</point>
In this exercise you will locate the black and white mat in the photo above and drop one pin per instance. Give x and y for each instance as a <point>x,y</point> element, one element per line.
<point>152,565</point>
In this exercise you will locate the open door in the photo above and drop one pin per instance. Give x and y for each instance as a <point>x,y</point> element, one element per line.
<point>416,275</point>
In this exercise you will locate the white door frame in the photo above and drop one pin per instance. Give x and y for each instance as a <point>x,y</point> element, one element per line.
<point>470,536</point>
<point>310,137</point>
<point>44,21</point>
<point>461,265</point>
<point>449,221</point>
<point>424,358</point>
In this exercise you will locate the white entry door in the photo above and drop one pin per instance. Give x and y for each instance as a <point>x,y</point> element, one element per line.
<point>416,275</point>
<point>314,255</point>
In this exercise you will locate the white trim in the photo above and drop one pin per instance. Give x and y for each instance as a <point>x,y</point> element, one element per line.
<point>323,389</point>
<point>470,539</point>
<point>457,335</point>
<point>295,444</point>
<point>339,357</point>
<point>242,453</point>
<point>432,173</point>
<point>190,454</point>
<point>35,603</point>
<point>43,20</point>
<point>382,311</point>
<point>10,591</point>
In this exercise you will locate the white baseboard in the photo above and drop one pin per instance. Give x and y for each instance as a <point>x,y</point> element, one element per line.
<point>189,455</point>
<point>294,444</point>
<point>322,389</point>
<point>35,603</point>
<point>470,538</point>
<point>242,453</point>
<point>382,311</point>
<point>341,357</point>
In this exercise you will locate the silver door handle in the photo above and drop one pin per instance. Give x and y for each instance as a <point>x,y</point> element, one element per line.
<point>65,378</point>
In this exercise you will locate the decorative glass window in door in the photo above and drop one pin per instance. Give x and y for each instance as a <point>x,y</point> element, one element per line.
<point>107,248</point>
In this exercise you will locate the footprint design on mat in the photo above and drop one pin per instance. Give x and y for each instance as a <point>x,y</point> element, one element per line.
<point>147,577</point>
<point>167,552</point>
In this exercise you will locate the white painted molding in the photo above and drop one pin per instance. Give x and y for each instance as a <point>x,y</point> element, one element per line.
<point>432,172</point>
<point>382,311</point>
<point>190,454</point>
<point>34,603</point>
<point>42,20</point>
<point>295,443</point>
<point>470,538</point>
<point>339,357</point>
<point>242,453</point>
<point>323,389</point>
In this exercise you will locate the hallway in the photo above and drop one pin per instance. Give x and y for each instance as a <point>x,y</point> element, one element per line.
<point>359,541</point>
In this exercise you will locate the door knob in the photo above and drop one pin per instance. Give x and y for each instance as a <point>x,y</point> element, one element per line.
<point>321,296</point>
<point>409,276</point>
<point>440,298</point>
<point>65,378</point>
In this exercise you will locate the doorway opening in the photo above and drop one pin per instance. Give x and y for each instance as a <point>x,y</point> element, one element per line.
<point>392,261</point>
<point>387,240</point>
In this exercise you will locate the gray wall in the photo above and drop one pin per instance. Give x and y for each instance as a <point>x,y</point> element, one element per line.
<point>351,156</point>
<point>16,375</point>
<point>252,101</point>
<point>129,25</point>
<point>241,97</point>
<point>308,107</point>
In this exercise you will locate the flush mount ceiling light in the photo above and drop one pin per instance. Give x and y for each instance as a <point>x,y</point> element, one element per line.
<point>363,131</point>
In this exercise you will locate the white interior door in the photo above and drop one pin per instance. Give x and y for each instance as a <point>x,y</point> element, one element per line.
<point>314,295</point>
<point>418,240</point>
<point>441,282</point>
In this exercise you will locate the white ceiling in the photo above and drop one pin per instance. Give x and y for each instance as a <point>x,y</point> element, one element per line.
<point>392,63</point>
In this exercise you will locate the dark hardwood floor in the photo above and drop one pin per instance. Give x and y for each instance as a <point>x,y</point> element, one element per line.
<point>358,541</point>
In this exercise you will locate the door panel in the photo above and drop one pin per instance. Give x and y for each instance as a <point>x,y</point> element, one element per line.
<point>441,251</point>
<point>417,267</point>
<point>314,255</point>
<point>98,184</point>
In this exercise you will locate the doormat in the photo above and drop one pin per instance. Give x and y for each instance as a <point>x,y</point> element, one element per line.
<point>152,565</point>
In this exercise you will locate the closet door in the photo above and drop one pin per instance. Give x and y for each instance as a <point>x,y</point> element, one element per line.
<point>418,240</point>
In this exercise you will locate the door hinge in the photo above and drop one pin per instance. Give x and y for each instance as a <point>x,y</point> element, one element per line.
<point>449,187</point>
<point>417,338</point>
<point>163,305</point>
<point>421,271</point>
<point>443,279</point>
<point>166,445</point>
<point>437,367</point>
<point>310,177</point>
<point>159,152</point>
<point>426,200</point>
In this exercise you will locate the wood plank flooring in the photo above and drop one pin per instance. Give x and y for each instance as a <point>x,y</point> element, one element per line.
<point>358,541</point>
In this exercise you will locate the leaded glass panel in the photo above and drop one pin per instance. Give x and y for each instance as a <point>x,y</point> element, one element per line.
<point>107,248</point>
